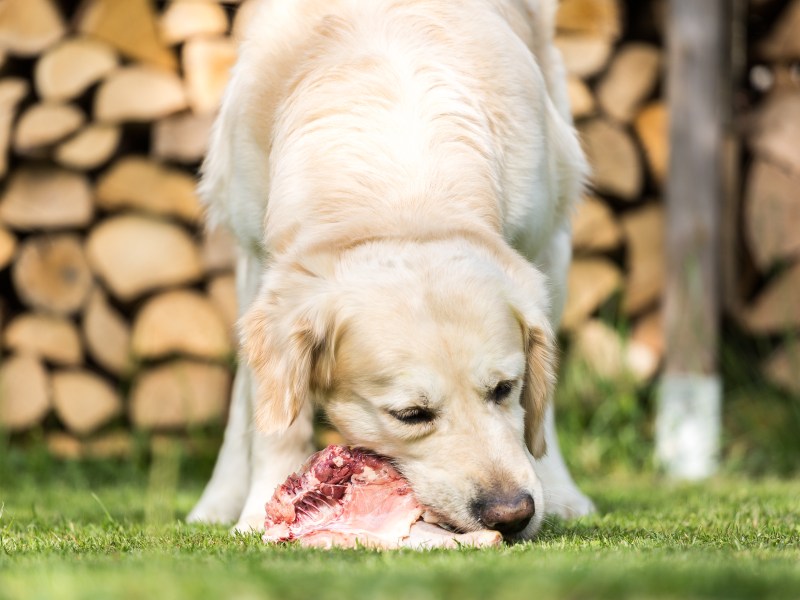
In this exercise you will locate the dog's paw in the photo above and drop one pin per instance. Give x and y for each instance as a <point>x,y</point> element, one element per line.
<point>568,503</point>
<point>216,511</point>
<point>249,524</point>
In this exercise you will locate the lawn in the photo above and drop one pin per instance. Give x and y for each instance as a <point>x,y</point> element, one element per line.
<point>81,530</point>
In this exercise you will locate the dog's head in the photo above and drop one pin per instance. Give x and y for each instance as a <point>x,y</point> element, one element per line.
<point>435,354</point>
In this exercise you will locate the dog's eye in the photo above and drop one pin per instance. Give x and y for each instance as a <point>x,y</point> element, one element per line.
<point>413,416</point>
<point>501,391</point>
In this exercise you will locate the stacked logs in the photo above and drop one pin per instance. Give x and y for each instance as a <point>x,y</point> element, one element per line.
<point>118,308</point>
<point>615,86</point>
<point>770,308</point>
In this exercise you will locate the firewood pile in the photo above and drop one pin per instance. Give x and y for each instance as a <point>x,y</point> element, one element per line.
<point>768,300</point>
<point>118,308</point>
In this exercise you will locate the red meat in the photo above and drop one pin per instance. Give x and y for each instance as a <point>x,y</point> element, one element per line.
<point>348,497</point>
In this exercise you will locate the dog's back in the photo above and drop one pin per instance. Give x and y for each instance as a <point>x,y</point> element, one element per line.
<point>403,107</point>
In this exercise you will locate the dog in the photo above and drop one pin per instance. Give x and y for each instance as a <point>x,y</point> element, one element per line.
<point>399,176</point>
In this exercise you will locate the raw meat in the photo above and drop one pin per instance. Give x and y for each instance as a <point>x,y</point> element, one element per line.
<point>347,497</point>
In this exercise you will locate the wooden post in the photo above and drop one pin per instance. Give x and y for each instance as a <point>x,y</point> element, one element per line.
<point>688,420</point>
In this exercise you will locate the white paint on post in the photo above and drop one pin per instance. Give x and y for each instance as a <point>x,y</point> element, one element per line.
<point>689,405</point>
<point>688,425</point>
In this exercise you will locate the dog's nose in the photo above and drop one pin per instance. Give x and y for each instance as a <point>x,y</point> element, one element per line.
<point>507,515</point>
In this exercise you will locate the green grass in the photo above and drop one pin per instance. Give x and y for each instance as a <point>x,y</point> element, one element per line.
<point>102,530</point>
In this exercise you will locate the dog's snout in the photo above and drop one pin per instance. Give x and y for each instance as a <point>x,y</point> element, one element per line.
<point>508,515</point>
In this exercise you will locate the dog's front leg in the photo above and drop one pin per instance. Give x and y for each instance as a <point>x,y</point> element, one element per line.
<point>273,458</point>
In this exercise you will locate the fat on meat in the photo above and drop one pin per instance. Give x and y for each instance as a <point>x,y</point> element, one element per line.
<point>347,497</point>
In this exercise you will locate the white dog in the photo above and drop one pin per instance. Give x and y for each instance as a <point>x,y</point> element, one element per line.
<point>399,175</point>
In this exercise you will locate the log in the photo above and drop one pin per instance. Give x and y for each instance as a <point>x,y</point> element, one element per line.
<point>218,250</point>
<point>64,446</point>
<point>207,64</point>
<point>584,56</point>
<point>67,70</point>
<point>776,129</point>
<point>782,369</point>
<point>180,322</point>
<point>772,214</point>
<point>45,124</point>
<point>631,78</point>
<point>46,198</point>
<point>652,128</point>
<point>222,292</point>
<point>600,18</point>
<point>649,332</point>
<point>603,351</point>
<point>107,335</point>
<point>594,228</point>
<point>783,42</point>
<point>8,247</point>
<point>777,308</point>
<point>113,445</point>
<point>591,282</point>
<point>84,401</point>
<point>140,183</point>
<point>644,233</point>
<point>24,393</point>
<point>12,91</point>
<point>581,100</point>
<point>90,148</point>
<point>617,168</point>
<point>51,273</point>
<point>130,274</point>
<point>129,26</point>
<point>185,19</point>
<point>49,337</point>
<point>182,138</point>
<point>178,394</point>
<point>139,93</point>
<point>28,27</point>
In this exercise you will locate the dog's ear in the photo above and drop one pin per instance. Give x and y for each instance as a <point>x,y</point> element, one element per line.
<point>530,304</point>
<point>287,341</point>
<point>538,385</point>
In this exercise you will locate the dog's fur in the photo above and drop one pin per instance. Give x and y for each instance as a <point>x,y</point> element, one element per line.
<point>399,175</point>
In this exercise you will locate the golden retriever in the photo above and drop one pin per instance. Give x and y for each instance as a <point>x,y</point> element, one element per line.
<point>399,175</point>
